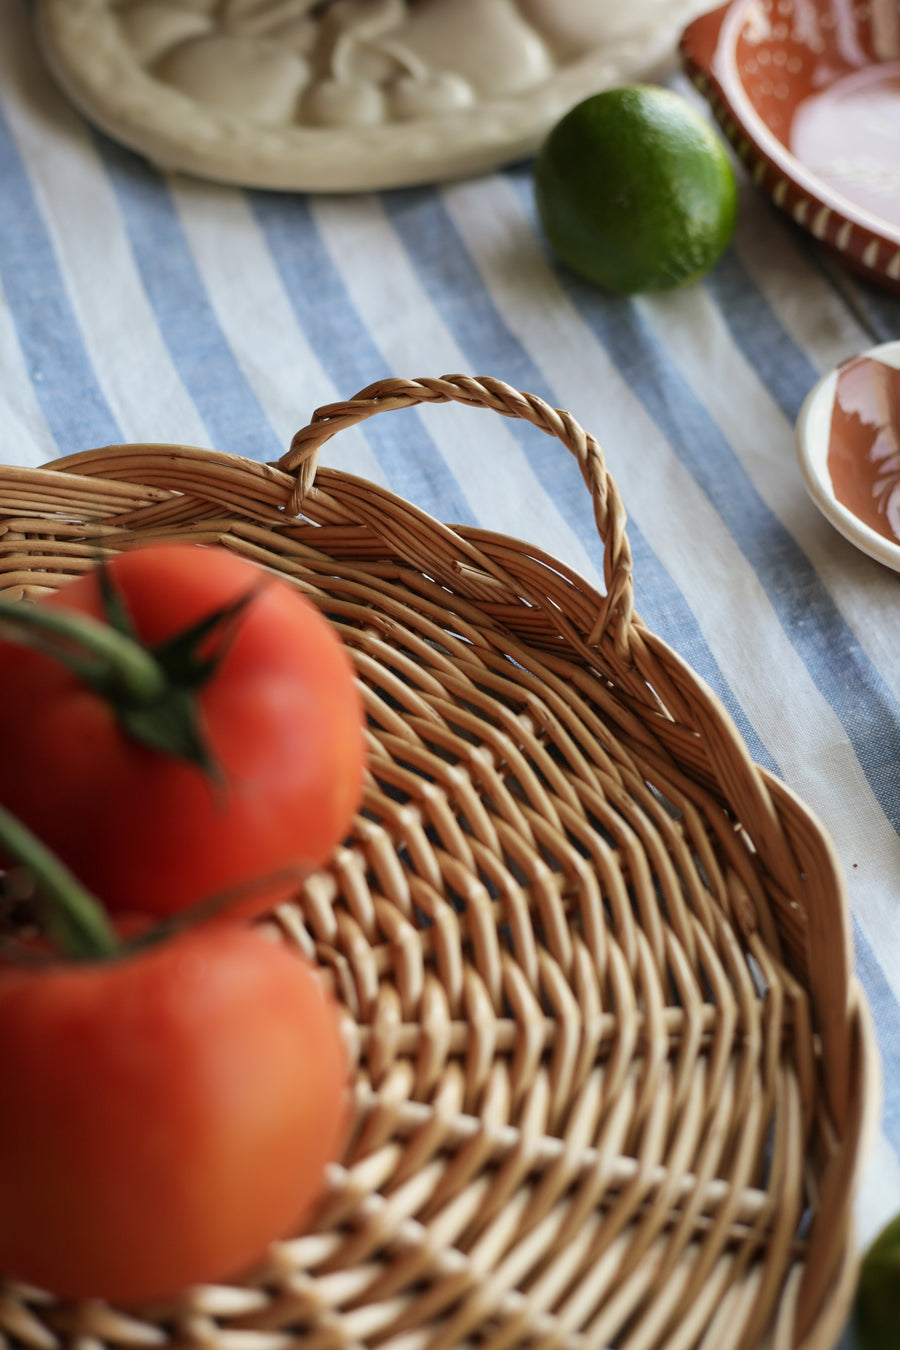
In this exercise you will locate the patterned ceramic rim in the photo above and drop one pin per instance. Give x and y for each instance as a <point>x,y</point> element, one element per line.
<point>866,242</point>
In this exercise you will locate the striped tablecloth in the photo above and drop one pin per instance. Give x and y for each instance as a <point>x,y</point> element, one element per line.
<point>134,306</point>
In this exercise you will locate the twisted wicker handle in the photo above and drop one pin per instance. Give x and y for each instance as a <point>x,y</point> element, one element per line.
<point>484,392</point>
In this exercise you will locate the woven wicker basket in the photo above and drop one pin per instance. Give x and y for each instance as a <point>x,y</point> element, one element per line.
<point>614,1073</point>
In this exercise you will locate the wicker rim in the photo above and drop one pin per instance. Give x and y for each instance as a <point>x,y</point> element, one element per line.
<point>762,856</point>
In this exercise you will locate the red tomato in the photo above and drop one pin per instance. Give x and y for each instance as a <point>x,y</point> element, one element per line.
<point>281,715</point>
<point>166,1115</point>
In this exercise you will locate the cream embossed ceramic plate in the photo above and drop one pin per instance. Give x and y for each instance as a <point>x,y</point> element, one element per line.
<point>342,95</point>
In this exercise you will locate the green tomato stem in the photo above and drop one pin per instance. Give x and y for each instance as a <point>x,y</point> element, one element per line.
<point>123,662</point>
<point>77,920</point>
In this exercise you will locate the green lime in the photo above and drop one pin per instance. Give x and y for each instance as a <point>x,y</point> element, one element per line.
<point>878,1294</point>
<point>635,191</point>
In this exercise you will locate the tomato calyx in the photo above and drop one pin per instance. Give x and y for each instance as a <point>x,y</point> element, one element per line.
<point>170,721</point>
<point>153,690</point>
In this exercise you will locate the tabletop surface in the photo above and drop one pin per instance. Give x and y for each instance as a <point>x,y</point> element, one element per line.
<point>136,306</point>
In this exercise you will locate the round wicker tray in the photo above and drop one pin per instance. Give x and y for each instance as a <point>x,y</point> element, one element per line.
<point>614,1073</point>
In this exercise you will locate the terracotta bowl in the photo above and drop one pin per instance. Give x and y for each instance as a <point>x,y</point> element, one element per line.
<point>809,93</point>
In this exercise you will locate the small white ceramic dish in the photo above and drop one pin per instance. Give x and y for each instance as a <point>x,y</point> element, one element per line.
<point>815,427</point>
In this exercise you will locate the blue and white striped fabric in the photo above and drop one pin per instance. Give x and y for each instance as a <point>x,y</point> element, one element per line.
<point>135,306</point>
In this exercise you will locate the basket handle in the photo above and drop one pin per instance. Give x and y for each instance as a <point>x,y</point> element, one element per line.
<point>483,392</point>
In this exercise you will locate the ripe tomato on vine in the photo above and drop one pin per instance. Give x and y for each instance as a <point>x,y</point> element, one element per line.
<point>169,1111</point>
<point>204,732</point>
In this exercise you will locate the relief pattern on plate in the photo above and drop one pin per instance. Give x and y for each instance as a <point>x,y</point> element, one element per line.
<point>368,62</point>
<point>346,95</point>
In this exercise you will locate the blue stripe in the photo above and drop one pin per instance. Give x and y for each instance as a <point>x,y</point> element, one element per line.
<point>49,335</point>
<point>781,365</point>
<point>884,1010</point>
<point>876,309</point>
<point>452,281</point>
<point>411,461</point>
<point>235,420</point>
<point>848,1340</point>
<point>882,310</point>
<point>783,368</point>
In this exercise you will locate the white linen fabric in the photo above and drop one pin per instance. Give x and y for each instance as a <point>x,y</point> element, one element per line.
<point>138,306</point>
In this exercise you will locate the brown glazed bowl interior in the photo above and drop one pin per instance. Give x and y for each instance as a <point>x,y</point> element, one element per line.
<point>809,93</point>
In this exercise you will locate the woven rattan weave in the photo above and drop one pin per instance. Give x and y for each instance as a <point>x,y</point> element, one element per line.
<point>614,1073</point>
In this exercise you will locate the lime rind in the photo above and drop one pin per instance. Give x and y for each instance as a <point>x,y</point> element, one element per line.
<point>635,192</point>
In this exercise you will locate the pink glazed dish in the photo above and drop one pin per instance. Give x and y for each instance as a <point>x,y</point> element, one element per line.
<point>808,91</point>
